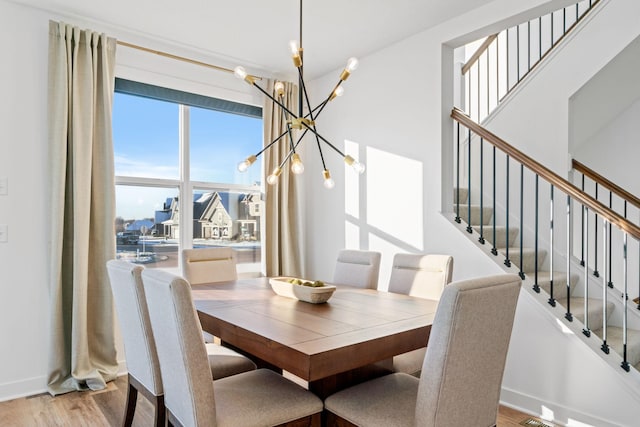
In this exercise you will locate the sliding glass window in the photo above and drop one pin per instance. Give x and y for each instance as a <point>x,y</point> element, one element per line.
<point>177,185</point>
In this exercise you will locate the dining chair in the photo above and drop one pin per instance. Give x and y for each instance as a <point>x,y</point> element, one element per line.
<point>357,268</point>
<point>423,276</point>
<point>256,398</point>
<point>140,346</point>
<point>206,265</point>
<point>462,369</point>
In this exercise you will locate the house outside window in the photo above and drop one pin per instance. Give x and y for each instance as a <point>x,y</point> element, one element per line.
<point>177,185</point>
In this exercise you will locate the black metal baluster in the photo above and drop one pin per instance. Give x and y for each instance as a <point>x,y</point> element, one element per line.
<point>552,301</point>
<point>610,283</point>
<point>605,346</point>
<point>582,229</point>
<point>539,38</point>
<point>507,261</point>
<point>577,12</point>
<point>625,363</point>
<point>564,21</point>
<point>494,250</point>
<point>481,238</point>
<point>568,314</point>
<point>521,273</point>
<point>458,175</point>
<point>469,229</point>
<point>536,287</point>
<point>595,245</point>
<point>585,227</point>
<point>551,43</point>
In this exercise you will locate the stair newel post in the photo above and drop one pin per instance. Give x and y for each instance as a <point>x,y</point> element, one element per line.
<point>585,227</point>
<point>609,282</point>
<point>469,229</point>
<point>494,250</point>
<point>595,244</point>
<point>507,261</point>
<point>458,173</point>
<point>625,363</point>
<point>568,314</point>
<point>605,346</point>
<point>552,301</point>
<point>536,287</point>
<point>521,273</point>
<point>582,257</point>
<point>481,238</point>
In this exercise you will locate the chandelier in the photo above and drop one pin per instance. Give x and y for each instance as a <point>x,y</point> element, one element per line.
<point>305,122</point>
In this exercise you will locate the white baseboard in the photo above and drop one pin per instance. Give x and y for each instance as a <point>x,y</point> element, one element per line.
<point>550,411</point>
<point>23,388</point>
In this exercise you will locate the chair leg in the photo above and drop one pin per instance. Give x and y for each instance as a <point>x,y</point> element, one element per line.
<point>161,412</point>
<point>132,398</point>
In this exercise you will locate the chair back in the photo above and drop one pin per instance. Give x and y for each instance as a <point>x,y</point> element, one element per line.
<point>182,353</point>
<point>464,364</point>
<point>133,316</point>
<point>357,268</point>
<point>209,265</point>
<point>420,275</point>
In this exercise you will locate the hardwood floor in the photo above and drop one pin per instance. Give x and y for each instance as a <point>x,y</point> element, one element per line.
<point>106,408</point>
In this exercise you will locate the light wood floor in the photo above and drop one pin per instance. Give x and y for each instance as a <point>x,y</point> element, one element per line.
<point>106,407</point>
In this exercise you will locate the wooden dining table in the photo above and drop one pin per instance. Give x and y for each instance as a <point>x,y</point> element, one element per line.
<point>332,345</point>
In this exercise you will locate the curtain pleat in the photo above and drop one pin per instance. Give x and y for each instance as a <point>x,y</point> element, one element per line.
<point>283,253</point>
<point>82,353</point>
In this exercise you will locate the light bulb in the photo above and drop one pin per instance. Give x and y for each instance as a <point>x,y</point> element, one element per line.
<point>329,183</point>
<point>356,165</point>
<point>352,64</point>
<point>279,88</point>
<point>339,91</point>
<point>273,178</point>
<point>240,72</point>
<point>296,164</point>
<point>295,53</point>
<point>244,165</point>
<point>293,46</point>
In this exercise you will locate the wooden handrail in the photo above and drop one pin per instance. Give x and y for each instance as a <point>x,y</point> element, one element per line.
<point>484,46</point>
<point>554,179</point>
<point>601,180</point>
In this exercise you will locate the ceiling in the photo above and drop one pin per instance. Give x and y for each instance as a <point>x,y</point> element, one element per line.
<point>256,32</point>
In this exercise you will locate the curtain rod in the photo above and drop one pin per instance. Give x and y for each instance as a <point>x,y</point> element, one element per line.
<point>179,58</point>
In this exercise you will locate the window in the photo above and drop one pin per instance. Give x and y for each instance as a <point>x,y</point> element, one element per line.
<point>170,146</point>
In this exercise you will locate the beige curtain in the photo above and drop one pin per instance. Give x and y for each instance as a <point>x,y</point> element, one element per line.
<point>283,230</point>
<point>82,353</point>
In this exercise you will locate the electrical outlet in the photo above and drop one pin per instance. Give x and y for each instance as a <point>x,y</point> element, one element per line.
<point>4,186</point>
<point>4,233</point>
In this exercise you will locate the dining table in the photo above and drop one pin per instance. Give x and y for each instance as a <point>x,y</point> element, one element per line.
<point>348,339</point>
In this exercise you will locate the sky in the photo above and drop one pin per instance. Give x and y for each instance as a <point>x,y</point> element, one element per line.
<point>146,144</point>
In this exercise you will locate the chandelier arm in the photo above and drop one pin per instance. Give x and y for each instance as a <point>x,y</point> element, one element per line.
<point>293,147</point>
<point>286,159</point>
<point>324,103</point>
<point>274,100</point>
<point>266,147</point>
<point>324,139</point>
<point>324,167</point>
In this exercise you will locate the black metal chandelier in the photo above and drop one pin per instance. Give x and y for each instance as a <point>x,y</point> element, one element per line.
<point>301,121</point>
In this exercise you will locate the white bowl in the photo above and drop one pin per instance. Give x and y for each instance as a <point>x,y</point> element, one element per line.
<point>318,295</point>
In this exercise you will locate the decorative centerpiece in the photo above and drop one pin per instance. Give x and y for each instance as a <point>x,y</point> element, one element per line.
<point>315,292</point>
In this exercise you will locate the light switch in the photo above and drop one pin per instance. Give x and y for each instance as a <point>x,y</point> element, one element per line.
<point>4,233</point>
<point>4,186</point>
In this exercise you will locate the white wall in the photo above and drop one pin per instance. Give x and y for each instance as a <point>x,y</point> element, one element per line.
<point>395,109</point>
<point>24,280</point>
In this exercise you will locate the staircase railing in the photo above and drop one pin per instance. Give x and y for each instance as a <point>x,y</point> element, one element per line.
<point>505,58</point>
<point>483,143</point>
<point>623,202</point>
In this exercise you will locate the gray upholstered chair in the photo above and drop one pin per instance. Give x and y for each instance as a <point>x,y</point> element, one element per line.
<point>256,398</point>
<point>357,268</point>
<point>423,276</point>
<point>209,265</point>
<point>140,346</point>
<point>462,370</point>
